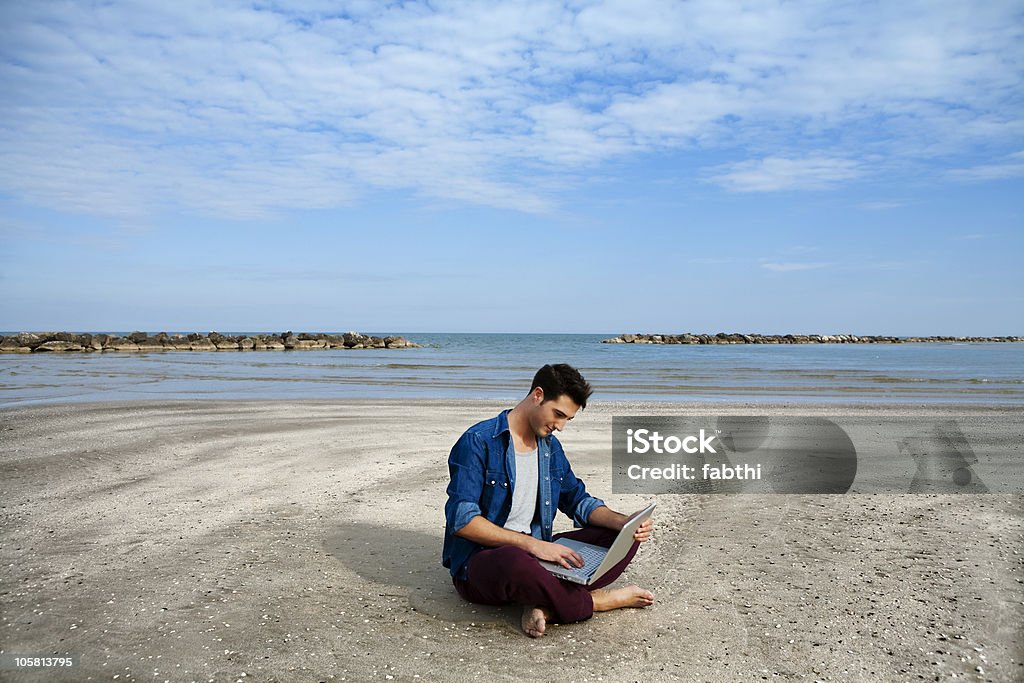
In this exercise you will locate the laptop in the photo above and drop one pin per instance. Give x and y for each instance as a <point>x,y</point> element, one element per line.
<point>597,561</point>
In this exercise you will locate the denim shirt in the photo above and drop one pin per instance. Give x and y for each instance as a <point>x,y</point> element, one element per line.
<point>483,474</point>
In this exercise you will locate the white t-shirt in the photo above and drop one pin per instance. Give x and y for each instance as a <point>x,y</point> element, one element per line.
<point>524,493</point>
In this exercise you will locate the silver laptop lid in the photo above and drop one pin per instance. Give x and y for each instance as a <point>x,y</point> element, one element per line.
<point>623,542</point>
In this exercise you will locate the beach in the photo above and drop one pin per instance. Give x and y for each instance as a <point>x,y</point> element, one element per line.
<point>301,541</point>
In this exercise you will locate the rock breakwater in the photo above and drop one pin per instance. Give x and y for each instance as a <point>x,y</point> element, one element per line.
<point>735,338</point>
<point>64,342</point>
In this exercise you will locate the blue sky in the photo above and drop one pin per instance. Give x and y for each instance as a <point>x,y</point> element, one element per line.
<point>514,167</point>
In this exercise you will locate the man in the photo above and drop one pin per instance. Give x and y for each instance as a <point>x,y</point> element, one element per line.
<point>508,475</point>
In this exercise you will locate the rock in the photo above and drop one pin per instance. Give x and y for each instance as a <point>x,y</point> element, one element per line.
<point>120,344</point>
<point>352,340</point>
<point>735,338</point>
<point>59,342</point>
<point>28,339</point>
<point>150,344</point>
<point>265,341</point>
<point>399,343</point>
<point>57,347</point>
<point>57,336</point>
<point>13,345</point>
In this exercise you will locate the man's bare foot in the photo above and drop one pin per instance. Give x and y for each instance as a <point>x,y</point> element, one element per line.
<point>535,619</point>
<point>616,598</point>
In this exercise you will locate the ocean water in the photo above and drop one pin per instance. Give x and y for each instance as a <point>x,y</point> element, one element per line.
<point>500,366</point>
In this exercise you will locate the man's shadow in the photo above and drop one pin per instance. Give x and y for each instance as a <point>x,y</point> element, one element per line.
<point>410,563</point>
<point>944,461</point>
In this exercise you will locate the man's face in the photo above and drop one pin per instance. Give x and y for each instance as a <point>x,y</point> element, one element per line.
<point>549,416</point>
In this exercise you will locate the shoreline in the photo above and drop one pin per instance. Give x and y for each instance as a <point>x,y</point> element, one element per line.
<point>190,540</point>
<point>729,403</point>
<point>626,406</point>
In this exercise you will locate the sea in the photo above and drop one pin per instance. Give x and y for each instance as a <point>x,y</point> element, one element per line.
<point>500,366</point>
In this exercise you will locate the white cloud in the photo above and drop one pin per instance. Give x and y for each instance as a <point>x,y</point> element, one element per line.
<point>774,173</point>
<point>1010,167</point>
<point>124,109</point>
<point>678,111</point>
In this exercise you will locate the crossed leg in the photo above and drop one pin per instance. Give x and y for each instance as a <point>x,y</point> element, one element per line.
<point>503,575</point>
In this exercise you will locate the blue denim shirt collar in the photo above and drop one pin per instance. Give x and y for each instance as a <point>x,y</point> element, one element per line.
<point>501,424</point>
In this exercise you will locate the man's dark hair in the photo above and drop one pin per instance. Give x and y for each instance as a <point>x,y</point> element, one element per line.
<point>562,379</point>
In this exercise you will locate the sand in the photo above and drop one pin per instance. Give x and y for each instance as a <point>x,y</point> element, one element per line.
<point>273,541</point>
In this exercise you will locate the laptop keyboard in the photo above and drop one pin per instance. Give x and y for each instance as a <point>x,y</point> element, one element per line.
<point>592,558</point>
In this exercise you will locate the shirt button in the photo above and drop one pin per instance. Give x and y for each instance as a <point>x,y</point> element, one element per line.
<point>547,502</point>
<point>546,478</point>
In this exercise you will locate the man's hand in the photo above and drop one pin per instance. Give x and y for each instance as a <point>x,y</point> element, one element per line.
<point>486,533</point>
<point>603,516</point>
<point>557,553</point>
<point>644,531</point>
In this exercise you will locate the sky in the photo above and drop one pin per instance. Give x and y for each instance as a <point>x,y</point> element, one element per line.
<point>520,166</point>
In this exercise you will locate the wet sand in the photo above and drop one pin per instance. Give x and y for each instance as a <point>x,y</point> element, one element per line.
<point>297,541</point>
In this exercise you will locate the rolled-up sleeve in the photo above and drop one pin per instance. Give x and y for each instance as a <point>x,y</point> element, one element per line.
<point>575,501</point>
<point>581,514</point>
<point>466,469</point>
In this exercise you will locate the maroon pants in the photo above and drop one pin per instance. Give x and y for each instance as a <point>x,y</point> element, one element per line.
<point>507,574</point>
